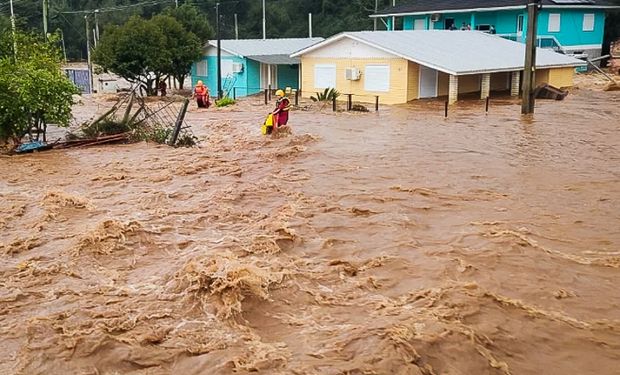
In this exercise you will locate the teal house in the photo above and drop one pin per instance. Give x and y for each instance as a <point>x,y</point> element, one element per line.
<point>569,26</point>
<point>251,65</point>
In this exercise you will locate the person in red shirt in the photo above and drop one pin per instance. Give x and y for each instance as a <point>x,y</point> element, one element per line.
<point>280,114</point>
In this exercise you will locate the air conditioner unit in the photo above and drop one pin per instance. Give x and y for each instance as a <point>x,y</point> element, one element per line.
<point>237,67</point>
<point>435,17</point>
<point>352,74</point>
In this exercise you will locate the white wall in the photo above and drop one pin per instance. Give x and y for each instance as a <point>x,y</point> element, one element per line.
<point>212,51</point>
<point>349,49</point>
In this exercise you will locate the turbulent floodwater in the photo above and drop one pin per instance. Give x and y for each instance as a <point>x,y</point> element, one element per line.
<point>390,243</point>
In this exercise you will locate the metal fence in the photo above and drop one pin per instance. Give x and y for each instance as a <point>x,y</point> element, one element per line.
<point>81,79</point>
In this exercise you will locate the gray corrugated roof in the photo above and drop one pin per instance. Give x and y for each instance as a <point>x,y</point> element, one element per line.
<point>269,51</point>
<point>276,59</point>
<point>454,52</point>
<point>429,6</point>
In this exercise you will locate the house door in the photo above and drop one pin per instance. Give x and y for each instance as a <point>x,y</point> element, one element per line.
<point>268,75</point>
<point>520,20</point>
<point>428,82</point>
<point>448,23</point>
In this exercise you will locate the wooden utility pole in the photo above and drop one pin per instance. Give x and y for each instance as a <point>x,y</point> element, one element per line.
<point>219,51</point>
<point>236,27</point>
<point>45,18</point>
<point>264,22</point>
<point>96,26</point>
<point>90,65</point>
<point>529,72</point>
<point>374,20</point>
<point>13,29</point>
<point>393,17</point>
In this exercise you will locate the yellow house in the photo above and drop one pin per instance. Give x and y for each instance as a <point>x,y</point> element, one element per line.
<point>400,66</point>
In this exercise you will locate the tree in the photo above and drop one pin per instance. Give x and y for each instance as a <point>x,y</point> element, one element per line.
<point>182,46</point>
<point>5,23</point>
<point>146,51</point>
<point>33,90</point>
<point>135,51</point>
<point>193,21</point>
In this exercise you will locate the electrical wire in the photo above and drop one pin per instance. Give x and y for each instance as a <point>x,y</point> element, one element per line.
<point>120,7</point>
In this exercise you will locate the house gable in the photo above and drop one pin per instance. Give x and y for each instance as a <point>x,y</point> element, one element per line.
<point>348,48</point>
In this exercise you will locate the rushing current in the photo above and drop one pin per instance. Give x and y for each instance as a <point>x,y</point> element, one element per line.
<point>397,242</point>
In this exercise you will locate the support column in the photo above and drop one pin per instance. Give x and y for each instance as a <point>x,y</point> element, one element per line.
<point>485,88</point>
<point>453,90</point>
<point>515,82</point>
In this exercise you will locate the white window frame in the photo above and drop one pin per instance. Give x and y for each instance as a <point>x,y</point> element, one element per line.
<point>588,21</point>
<point>332,81</point>
<point>200,65</point>
<point>555,20</point>
<point>385,86</point>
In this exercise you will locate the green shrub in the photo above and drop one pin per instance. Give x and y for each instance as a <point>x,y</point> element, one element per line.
<point>224,102</point>
<point>326,96</point>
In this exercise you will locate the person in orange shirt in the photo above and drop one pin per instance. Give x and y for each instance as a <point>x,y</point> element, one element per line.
<point>201,93</point>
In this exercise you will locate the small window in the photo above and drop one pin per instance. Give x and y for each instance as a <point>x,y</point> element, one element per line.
<point>324,76</point>
<point>554,22</point>
<point>419,24</point>
<point>227,68</point>
<point>201,68</point>
<point>377,78</point>
<point>588,22</point>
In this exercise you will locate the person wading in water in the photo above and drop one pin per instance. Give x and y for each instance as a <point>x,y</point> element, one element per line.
<point>280,114</point>
<point>201,93</point>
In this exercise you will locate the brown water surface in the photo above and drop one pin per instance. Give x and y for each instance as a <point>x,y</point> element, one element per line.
<point>391,243</point>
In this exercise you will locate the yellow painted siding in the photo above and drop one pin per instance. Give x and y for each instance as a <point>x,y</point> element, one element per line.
<point>561,77</point>
<point>542,76</point>
<point>469,83</point>
<point>443,84</point>
<point>413,80</point>
<point>398,78</point>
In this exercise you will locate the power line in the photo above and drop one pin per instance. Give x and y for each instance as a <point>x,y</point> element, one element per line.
<point>120,7</point>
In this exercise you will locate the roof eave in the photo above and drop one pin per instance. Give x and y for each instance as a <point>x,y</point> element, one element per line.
<point>214,45</point>
<point>518,69</point>
<point>514,7</point>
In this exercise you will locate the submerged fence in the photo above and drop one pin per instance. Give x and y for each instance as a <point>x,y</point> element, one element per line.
<point>360,105</point>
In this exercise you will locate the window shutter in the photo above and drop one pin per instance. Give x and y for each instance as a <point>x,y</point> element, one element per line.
<point>377,78</point>
<point>324,76</point>
<point>588,22</point>
<point>554,22</point>
<point>202,68</point>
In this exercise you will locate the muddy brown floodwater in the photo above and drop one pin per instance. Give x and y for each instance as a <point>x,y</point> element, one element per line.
<point>389,243</point>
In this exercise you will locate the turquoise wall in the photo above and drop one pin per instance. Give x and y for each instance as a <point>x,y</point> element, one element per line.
<point>248,81</point>
<point>233,80</point>
<point>253,84</point>
<point>571,27</point>
<point>571,24</point>
<point>288,76</point>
